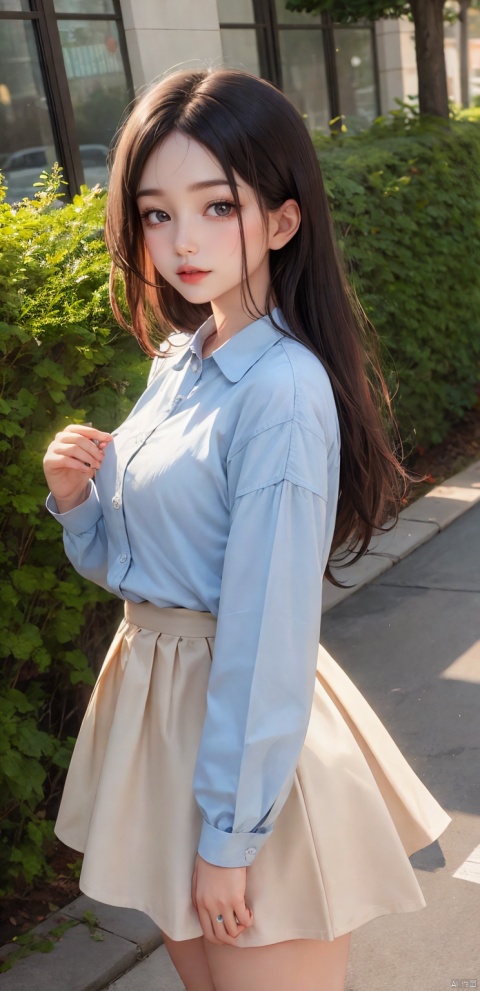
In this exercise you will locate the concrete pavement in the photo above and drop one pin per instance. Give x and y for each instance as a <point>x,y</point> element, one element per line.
<point>410,640</point>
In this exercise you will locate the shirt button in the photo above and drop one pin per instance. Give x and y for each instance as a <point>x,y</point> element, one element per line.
<point>123,558</point>
<point>250,854</point>
<point>195,366</point>
<point>116,502</point>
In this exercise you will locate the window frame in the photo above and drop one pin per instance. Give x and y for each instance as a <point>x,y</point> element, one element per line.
<point>268,30</point>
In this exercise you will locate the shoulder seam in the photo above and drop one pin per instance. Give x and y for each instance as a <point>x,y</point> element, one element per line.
<point>295,385</point>
<point>287,476</point>
<point>258,433</point>
<point>278,423</point>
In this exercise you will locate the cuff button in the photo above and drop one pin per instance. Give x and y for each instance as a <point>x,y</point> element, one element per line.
<point>250,854</point>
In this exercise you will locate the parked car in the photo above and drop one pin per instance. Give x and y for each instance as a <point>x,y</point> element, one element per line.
<point>22,168</point>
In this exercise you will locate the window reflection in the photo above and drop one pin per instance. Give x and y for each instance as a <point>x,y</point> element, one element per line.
<point>235,11</point>
<point>474,56</point>
<point>98,89</point>
<point>26,138</point>
<point>84,6</point>
<point>285,16</point>
<point>304,78</point>
<point>356,83</point>
<point>14,5</point>
<point>240,49</point>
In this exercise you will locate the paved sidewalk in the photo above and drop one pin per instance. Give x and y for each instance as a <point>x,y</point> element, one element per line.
<point>410,640</point>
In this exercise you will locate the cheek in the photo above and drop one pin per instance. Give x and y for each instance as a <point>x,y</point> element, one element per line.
<point>225,239</point>
<point>230,243</point>
<point>152,243</point>
<point>255,240</point>
<point>156,247</point>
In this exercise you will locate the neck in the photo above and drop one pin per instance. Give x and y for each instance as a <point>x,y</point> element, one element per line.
<point>228,310</point>
<point>227,325</point>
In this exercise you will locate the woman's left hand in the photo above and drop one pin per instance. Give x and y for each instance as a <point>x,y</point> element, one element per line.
<point>220,891</point>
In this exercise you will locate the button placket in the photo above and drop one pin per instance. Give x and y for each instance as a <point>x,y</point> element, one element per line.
<point>126,451</point>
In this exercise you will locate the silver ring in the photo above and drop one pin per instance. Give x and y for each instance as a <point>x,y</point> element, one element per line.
<point>219,918</point>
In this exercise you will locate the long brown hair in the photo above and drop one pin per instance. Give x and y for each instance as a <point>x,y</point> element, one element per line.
<point>252,129</point>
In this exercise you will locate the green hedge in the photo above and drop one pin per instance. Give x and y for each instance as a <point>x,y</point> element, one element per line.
<point>405,197</point>
<point>62,360</point>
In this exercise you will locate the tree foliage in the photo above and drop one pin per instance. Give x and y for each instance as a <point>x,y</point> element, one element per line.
<point>405,197</point>
<point>349,11</point>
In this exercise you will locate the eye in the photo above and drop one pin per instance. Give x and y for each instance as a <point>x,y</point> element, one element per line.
<point>153,218</point>
<point>222,208</point>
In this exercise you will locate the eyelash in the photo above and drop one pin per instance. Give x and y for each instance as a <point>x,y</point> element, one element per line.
<point>147,213</point>
<point>223,203</point>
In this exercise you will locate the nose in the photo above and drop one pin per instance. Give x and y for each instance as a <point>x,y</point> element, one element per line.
<point>184,241</point>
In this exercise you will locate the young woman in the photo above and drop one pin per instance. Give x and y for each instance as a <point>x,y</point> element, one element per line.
<point>229,779</point>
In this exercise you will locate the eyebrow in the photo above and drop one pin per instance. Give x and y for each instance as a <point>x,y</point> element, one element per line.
<point>197,186</point>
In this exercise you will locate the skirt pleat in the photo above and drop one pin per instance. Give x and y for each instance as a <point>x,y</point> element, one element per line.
<point>338,853</point>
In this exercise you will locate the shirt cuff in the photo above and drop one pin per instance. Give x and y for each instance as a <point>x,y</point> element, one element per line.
<point>230,849</point>
<point>83,517</point>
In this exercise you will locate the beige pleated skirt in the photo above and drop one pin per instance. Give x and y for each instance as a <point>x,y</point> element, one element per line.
<point>338,854</point>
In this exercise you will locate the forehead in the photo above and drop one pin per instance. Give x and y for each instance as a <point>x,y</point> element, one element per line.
<point>179,160</point>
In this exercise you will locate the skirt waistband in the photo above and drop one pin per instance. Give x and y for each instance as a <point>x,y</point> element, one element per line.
<point>172,619</point>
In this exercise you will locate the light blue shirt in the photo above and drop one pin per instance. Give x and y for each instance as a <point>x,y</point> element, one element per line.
<point>219,493</point>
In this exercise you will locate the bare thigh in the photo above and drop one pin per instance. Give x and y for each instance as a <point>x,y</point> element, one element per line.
<point>295,965</point>
<point>188,958</point>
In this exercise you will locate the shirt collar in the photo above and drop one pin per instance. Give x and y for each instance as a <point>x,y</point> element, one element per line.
<point>240,352</point>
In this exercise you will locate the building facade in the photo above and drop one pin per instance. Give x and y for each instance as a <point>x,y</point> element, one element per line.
<point>70,68</point>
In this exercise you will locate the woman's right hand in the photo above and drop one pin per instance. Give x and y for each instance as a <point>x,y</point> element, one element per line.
<point>70,462</point>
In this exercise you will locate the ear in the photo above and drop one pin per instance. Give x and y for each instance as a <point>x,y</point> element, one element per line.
<point>284,223</point>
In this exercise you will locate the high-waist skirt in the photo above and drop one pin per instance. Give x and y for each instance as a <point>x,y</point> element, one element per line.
<point>338,853</point>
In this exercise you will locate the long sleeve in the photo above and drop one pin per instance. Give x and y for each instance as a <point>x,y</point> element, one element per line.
<point>262,677</point>
<point>84,537</point>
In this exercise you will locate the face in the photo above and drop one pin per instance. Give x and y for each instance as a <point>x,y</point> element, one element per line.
<point>191,225</point>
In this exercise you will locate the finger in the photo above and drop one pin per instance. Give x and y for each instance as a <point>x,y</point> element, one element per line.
<point>194,885</point>
<point>86,454</point>
<point>243,914</point>
<point>206,924</point>
<point>88,431</point>
<point>60,462</point>
<point>233,927</point>
<point>78,440</point>
<point>221,931</point>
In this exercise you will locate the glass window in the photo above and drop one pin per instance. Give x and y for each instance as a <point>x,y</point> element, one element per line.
<point>240,51</point>
<point>26,137</point>
<point>14,5</point>
<point>474,56</point>
<point>235,11</point>
<point>30,158</point>
<point>98,88</point>
<point>356,82</point>
<point>304,79</point>
<point>285,16</point>
<point>84,6</point>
